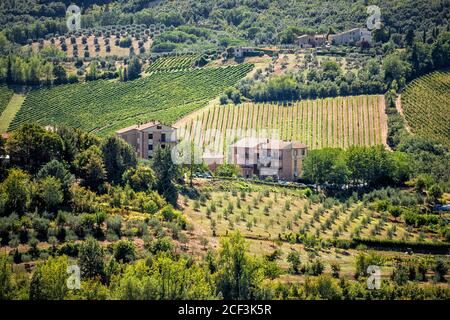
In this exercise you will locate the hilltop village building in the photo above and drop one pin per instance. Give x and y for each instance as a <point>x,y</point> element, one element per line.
<point>353,36</point>
<point>269,158</point>
<point>145,138</point>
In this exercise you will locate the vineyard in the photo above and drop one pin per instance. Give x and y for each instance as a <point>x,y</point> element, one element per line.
<point>104,106</point>
<point>334,122</point>
<point>425,103</point>
<point>5,96</point>
<point>174,63</point>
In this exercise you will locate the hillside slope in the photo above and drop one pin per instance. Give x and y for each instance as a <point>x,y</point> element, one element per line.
<point>426,106</point>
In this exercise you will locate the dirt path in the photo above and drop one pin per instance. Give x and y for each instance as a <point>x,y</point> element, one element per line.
<point>10,111</point>
<point>398,105</point>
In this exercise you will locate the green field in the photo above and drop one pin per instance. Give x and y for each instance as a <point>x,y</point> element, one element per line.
<point>5,96</point>
<point>174,63</point>
<point>104,106</point>
<point>426,106</point>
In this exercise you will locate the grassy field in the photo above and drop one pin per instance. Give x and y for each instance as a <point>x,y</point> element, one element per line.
<point>5,96</point>
<point>334,122</point>
<point>104,106</point>
<point>10,111</point>
<point>426,106</point>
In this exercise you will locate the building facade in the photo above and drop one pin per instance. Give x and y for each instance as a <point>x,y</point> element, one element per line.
<point>352,36</point>
<point>309,41</point>
<point>269,158</point>
<point>146,138</point>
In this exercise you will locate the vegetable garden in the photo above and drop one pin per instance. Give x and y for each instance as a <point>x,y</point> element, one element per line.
<point>334,122</point>
<point>426,106</point>
<point>104,106</point>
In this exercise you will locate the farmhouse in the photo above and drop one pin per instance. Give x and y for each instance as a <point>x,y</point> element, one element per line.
<point>240,52</point>
<point>353,36</point>
<point>145,138</point>
<point>309,41</point>
<point>269,158</point>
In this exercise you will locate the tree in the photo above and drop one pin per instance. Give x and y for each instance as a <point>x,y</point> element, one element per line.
<point>166,172</point>
<point>440,269</point>
<point>49,280</point>
<point>118,156</point>
<point>124,251</point>
<point>227,170</point>
<point>409,37</point>
<point>31,146</point>
<point>91,259</point>
<point>50,192</point>
<point>294,259</point>
<point>90,168</point>
<point>325,166</point>
<point>57,170</point>
<point>239,275</point>
<point>141,178</point>
<point>6,284</point>
<point>395,68</point>
<point>134,68</point>
<point>16,190</point>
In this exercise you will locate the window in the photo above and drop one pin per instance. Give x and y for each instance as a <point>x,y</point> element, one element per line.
<point>150,136</point>
<point>158,127</point>
<point>150,147</point>
<point>163,137</point>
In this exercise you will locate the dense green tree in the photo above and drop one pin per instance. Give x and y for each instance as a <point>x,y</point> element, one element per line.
<point>6,283</point>
<point>91,259</point>
<point>16,192</point>
<point>118,156</point>
<point>50,193</point>
<point>124,251</point>
<point>31,146</point>
<point>90,168</point>
<point>57,170</point>
<point>49,280</point>
<point>166,174</point>
<point>239,275</point>
<point>141,178</point>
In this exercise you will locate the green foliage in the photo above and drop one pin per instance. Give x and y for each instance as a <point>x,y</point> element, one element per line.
<point>227,170</point>
<point>91,259</point>
<point>118,157</point>
<point>49,280</point>
<point>166,172</point>
<point>91,168</point>
<point>31,146</point>
<point>238,275</point>
<point>99,104</point>
<point>124,251</point>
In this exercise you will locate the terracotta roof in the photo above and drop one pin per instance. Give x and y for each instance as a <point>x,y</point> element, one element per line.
<point>276,145</point>
<point>248,142</point>
<point>140,127</point>
<point>273,144</point>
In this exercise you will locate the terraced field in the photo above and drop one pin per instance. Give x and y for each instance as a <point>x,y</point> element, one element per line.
<point>104,106</point>
<point>5,96</point>
<point>426,106</point>
<point>174,63</point>
<point>334,122</point>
